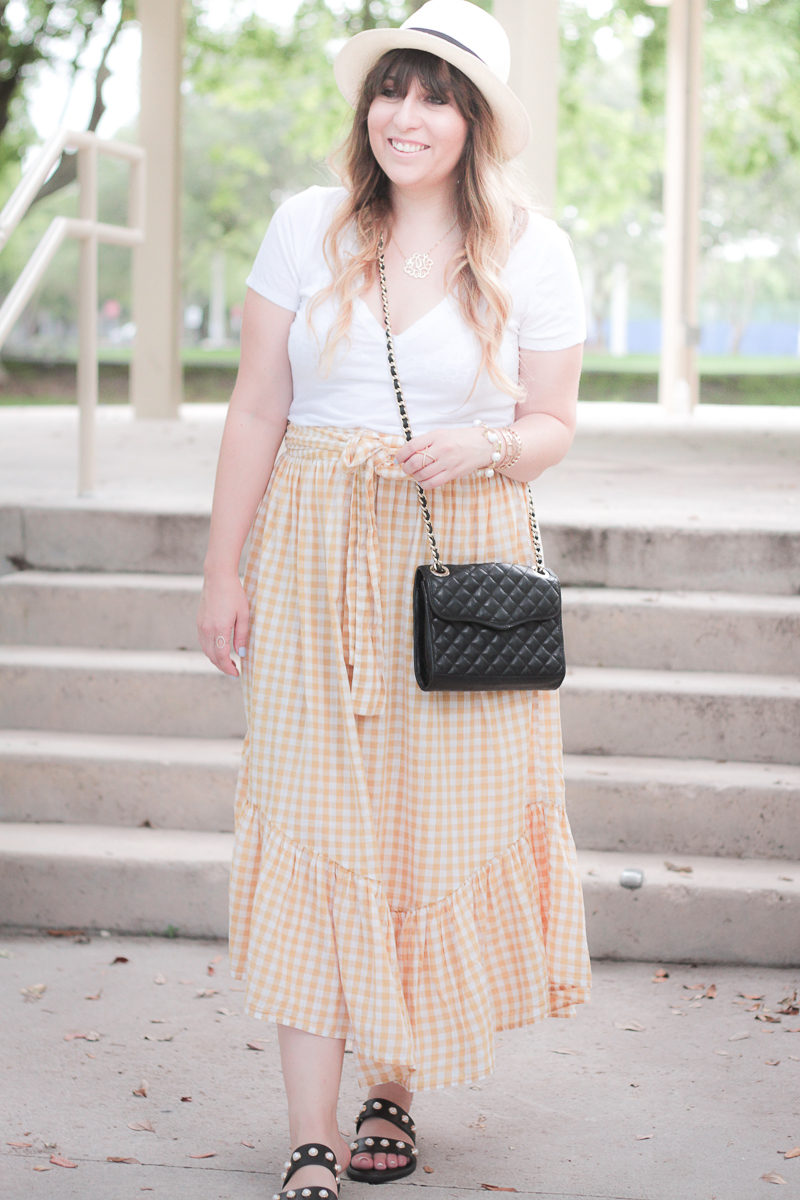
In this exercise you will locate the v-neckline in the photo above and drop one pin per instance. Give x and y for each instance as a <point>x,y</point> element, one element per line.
<point>380,325</point>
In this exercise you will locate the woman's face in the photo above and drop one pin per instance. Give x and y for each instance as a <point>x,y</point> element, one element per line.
<point>417,138</point>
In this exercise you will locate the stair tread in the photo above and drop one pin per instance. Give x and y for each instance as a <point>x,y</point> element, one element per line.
<point>679,771</point>
<point>99,659</point>
<point>58,841</point>
<point>112,841</point>
<point>101,579</point>
<point>648,679</point>
<point>602,867</point>
<point>58,744</point>
<point>700,601</point>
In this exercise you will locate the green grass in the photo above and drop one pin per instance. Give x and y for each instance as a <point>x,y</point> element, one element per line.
<point>208,376</point>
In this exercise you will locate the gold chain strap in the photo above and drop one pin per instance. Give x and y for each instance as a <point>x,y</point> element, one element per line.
<point>437,566</point>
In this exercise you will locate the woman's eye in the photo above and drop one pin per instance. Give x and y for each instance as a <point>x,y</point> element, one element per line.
<point>437,100</point>
<point>388,91</point>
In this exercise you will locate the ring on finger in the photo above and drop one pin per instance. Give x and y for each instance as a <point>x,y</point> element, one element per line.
<point>426,456</point>
<point>221,642</point>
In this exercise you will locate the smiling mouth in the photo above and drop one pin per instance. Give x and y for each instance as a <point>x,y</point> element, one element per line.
<point>407,147</point>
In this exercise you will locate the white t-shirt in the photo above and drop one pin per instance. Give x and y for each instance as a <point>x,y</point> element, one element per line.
<point>437,356</point>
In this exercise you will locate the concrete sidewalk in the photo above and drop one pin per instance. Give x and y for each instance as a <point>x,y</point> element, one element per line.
<point>721,468</point>
<point>665,1087</point>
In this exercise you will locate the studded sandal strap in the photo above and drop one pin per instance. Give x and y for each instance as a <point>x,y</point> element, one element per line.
<point>311,1154</point>
<point>387,1111</point>
<point>376,1145</point>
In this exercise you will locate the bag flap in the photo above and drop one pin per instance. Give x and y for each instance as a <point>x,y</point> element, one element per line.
<point>500,595</point>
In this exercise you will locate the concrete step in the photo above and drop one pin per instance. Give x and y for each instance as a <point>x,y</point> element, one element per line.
<point>666,557</point>
<point>667,714</point>
<point>147,880</point>
<point>682,631</point>
<point>691,631</point>
<point>615,803</point>
<point>117,691</point>
<point>681,714</point>
<point>602,552</point>
<point>104,877</point>
<point>689,806</point>
<point>716,910</point>
<point>102,610</point>
<point>87,778</point>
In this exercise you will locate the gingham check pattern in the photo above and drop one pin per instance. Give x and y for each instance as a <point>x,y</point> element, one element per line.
<point>404,873</point>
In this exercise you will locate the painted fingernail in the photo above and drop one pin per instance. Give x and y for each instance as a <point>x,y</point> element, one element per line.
<point>242,651</point>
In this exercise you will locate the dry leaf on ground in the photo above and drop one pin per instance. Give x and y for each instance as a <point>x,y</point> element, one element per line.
<point>428,1170</point>
<point>119,1158</point>
<point>209,1154</point>
<point>773,1177</point>
<point>59,1161</point>
<point>204,993</point>
<point>250,1145</point>
<point>660,975</point>
<point>91,1036</point>
<point>711,992</point>
<point>25,1145</point>
<point>255,1046</point>
<point>41,1168</point>
<point>159,979</point>
<point>681,870</point>
<point>141,1090</point>
<point>630,1026</point>
<point>793,1153</point>
<point>141,1126</point>
<point>119,959</point>
<point>186,1099</point>
<point>34,991</point>
<point>212,964</point>
<point>492,1187</point>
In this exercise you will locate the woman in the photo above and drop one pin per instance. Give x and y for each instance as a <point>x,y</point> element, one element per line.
<point>403,872</point>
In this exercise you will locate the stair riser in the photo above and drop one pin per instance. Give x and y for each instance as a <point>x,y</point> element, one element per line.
<point>755,561</point>
<point>738,727</point>
<point>619,631</point>
<point>44,893</point>
<point>119,701</point>
<point>657,818</point>
<point>682,924</point>
<point>86,792</point>
<point>605,813</point>
<point>663,638</point>
<point>119,617</point>
<point>750,561</point>
<point>660,924</point>
<point>597,720</point>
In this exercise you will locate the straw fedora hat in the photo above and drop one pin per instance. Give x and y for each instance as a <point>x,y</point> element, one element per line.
<point>459,32</point>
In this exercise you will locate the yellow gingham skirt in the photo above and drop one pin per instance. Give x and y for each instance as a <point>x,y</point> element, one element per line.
<point>404,874</point>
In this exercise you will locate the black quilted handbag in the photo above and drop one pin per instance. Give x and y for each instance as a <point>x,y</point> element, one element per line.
<point>481,626</point>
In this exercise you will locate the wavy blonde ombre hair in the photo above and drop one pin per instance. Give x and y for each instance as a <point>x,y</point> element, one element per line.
<point>491,210</point>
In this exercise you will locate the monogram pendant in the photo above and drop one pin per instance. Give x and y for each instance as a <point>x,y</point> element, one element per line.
<point>418,266</point>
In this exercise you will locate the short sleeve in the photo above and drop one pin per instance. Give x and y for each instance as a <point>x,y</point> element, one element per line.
<point>275,272</point>
<point>546,288</point>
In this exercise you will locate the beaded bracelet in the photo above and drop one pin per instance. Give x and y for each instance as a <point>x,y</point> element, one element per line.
<point>506,447</point>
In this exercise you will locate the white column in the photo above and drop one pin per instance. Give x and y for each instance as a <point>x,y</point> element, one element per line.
<point>532,26</point>
<point>678,387</point>
<point>156,384</point>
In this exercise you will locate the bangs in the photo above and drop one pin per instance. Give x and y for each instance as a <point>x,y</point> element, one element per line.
<point>434,75</point>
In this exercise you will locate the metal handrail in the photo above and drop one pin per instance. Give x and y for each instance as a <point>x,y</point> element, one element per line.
<point>90,233</point>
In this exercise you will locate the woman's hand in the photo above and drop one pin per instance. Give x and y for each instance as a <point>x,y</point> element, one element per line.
<point>444,454</point>
<point>223,621</point>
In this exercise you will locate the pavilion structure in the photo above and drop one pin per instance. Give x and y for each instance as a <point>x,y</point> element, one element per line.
<point>533,29</point>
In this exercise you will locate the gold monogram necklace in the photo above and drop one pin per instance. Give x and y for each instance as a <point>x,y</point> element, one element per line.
<point>418,265</point>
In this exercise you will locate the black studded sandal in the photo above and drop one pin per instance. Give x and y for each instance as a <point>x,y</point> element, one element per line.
<point>387,1110</point>
<point>311,1154</point>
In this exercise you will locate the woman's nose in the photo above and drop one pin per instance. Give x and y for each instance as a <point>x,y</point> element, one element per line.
<point>407,116</point>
